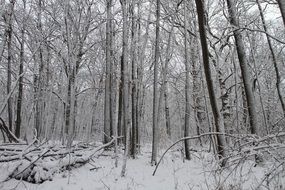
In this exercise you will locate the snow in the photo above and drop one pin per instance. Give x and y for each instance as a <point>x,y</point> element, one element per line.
<point>174,173</point>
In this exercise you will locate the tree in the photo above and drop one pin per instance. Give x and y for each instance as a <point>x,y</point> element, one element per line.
<point>21,70</point>
<point>126,94</point>
<point>134,81</point>
<point>218,124</point>
<point>155,129</point>
<point>244,66</point>
<point>108,87</point>
<point>187,86</point>
<point>9,31</point>
<point>282,9</point>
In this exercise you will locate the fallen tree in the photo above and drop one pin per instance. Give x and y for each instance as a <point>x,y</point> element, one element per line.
<point>36,164</point>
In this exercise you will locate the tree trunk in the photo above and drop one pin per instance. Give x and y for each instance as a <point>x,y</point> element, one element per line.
<point>108,86</point>
<point>120,102</point>
<point>187,87</point>
<point>165,84</point>
<point>20,90</point>
<point>274,60</point>
<point>126,96</point>
<point>134,82</point>
<point>9,62</point>
<point>39,108</point>
<point>219,127</point>
<point>282,9</point>
<point>140,72</point>
<point>155,126</point>
<point>244,67</point>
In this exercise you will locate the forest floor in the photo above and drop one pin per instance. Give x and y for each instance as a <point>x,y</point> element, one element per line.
<point>173,173</point>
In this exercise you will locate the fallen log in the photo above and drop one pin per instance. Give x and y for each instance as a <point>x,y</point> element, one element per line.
<point>39,166</point>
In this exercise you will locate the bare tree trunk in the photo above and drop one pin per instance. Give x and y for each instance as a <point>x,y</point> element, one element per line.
<point>72,108</point>
<point>108,86</point>
<point>140,86</point>
<point>20,90</point>
<point>252,53</point>
<point>187,87</point>
<point>120,102</point>
<point>155,129</point>
<point>282,9</point>
<point>9,62</point>
<point>219,127</point>
<point>40,77</point>
<point>199,109</point>
<point>244,67</point>
<point>126,96</point>
<point>134,82</point>
<point>274,60</point>
<point>165,84</point>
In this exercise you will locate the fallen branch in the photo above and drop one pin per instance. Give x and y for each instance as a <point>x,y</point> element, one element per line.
<point>187,138</point>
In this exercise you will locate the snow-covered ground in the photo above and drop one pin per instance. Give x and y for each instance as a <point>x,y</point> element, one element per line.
<point>173,173</point>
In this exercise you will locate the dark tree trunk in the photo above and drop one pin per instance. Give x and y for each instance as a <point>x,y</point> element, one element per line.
<point>213,101</point>
<point>20,93</point>
<point>282,9</point>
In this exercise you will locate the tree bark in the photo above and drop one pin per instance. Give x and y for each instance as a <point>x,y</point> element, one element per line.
<point>20,89</point>
<point>155,129</point>
<point>165,84</point>
<point>9,62</point>
<point>108,86</point>
<point>134,82</point>
<point>126,96</point>
<point>219,127</point>
<point>187,87</point>
<point>282,9</point>
<point>244,67</point>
